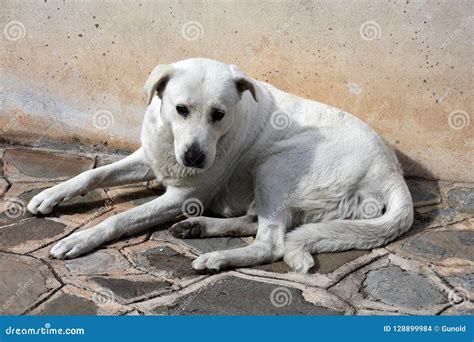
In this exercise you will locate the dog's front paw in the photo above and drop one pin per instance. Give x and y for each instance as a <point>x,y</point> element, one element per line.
<point>75,245</point>
<point>209,263</point>
<point>45,202</point>
<point>186,229</point>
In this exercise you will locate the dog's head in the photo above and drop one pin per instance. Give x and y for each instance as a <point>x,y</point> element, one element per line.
<point>198,102</point>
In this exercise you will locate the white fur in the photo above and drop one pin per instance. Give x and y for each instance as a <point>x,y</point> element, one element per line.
<point>327,182</point>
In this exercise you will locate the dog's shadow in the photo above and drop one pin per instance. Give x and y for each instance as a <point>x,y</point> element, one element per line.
<point>137,197</point>
<point>415,172</point>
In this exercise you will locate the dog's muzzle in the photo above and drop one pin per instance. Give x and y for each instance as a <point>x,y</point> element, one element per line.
<point>194,157</point>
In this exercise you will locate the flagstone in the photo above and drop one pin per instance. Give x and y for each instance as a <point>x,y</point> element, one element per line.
<point>27,165</point>
<point>25,281</point>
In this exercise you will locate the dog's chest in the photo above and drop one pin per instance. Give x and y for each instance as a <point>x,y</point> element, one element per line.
<point>236,196</point>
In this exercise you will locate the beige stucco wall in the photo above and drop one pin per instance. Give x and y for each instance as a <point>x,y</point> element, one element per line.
<point>403,66</point>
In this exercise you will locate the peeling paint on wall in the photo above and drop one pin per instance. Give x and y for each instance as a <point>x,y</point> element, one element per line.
<point>354,88</point>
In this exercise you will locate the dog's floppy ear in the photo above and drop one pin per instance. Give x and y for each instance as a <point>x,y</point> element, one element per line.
<point>157,80</point>
<point>243,82</point>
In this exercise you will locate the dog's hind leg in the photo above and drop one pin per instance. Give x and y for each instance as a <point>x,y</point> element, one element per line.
<point>273,220</point>
<point>368,232</point>
<point>198,227</point>
<point>268,247</point>
<point>133,168</point>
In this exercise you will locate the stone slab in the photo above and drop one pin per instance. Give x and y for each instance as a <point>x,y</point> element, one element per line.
<point>456,205</point>
<point>2,151</point>
<point>462,199</point>
<point>394,284</point>
<point>424,192</point>
<point>124,288</point>
<point>25,165</point>
<point>31,234</point>
<point>397,287</point>
<point>99,262</point>
<point>199,245</point>
<point>12,210</point>
<point>24,282</point>
<point>431,217</point>
<point>465,281</point>
<point>161,260</point>
<point>435,246</point>
<point>460,310</point>
<point>3,186</point>
<point>103,261</point>
<point>72,301</point>
<point>237,296</point>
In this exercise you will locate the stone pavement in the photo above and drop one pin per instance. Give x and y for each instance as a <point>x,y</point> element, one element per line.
<point>429,270</point>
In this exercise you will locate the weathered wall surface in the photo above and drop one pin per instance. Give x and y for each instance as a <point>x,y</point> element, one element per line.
<point>74,70</point>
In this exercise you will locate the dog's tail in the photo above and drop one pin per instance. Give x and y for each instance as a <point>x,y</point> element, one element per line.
<point>342,235</point>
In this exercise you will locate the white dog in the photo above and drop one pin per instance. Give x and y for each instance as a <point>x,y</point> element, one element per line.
<point>300,175</point>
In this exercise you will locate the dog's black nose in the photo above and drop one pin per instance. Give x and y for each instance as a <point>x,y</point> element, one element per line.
<point>194,157</point>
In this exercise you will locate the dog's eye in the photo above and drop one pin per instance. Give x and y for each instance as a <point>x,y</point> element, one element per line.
<point>182,110</point>
<point>217,114</point>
